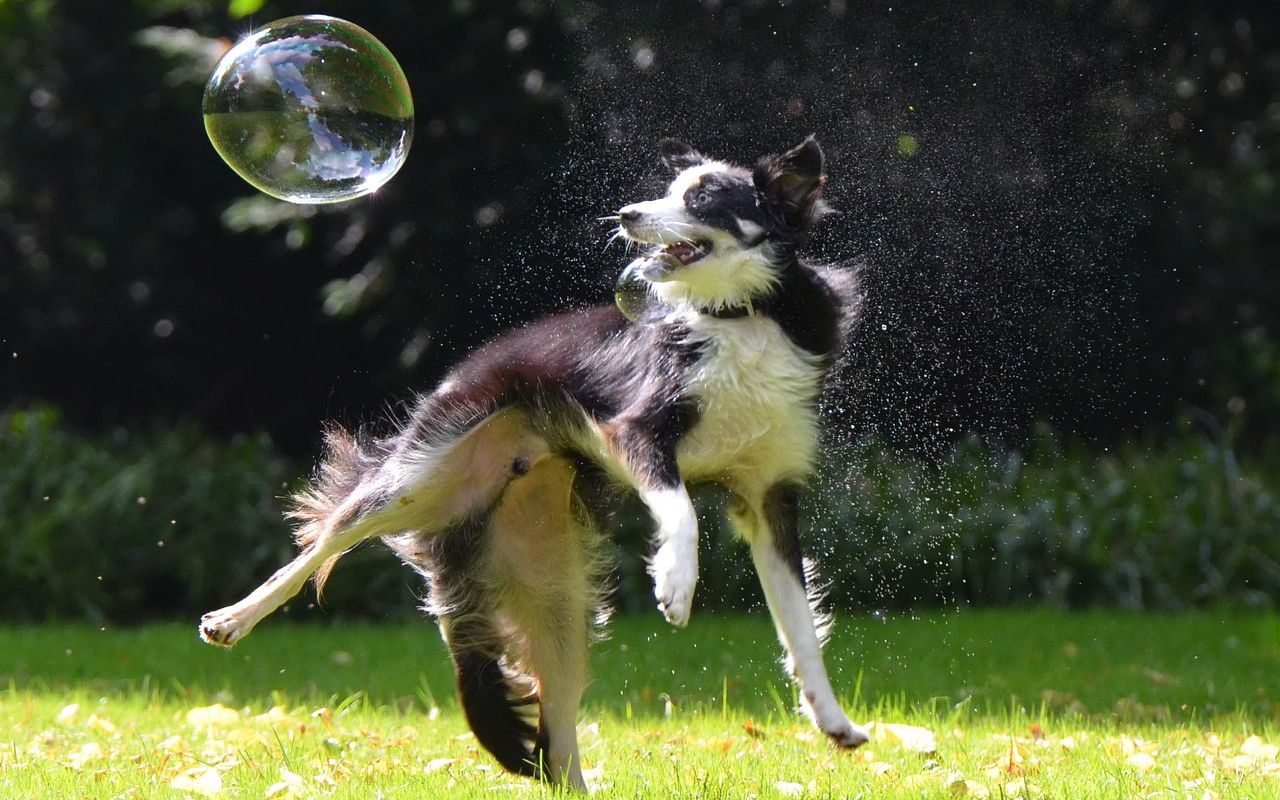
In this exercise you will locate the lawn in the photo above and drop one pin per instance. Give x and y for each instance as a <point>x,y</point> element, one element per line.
<point>974,704</point>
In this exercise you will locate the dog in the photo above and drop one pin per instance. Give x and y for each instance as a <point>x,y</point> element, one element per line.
<point>492,486</point>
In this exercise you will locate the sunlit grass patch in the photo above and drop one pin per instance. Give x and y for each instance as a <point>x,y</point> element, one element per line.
<point>994,705</point>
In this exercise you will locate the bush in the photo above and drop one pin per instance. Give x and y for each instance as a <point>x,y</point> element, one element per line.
<point>125,526</point>
<point>168,524</point>
<point>1171,527</point>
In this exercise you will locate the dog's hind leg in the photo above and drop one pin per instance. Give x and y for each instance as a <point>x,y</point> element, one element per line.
<point>772,527</point>
<point>426,489</point>
<point>537,574</point>
<point>226,626</point>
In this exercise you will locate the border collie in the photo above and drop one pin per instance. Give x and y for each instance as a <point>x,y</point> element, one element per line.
<point>491,487</point>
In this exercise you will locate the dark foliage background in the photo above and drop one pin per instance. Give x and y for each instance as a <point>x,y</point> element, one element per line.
<point>1067,214</point>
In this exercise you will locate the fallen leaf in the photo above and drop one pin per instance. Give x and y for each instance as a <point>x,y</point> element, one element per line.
<point>204,781</point>
<point>789,789</point>
<point>216,715</point>
<point>908,737</point>
<point>1141,761</point>
<point>171,744</point>
<point>87,752</point>
<point>289,785</point>
<point>325,716</point>
<point>1254,747</point>
<point>68,714</point>
<point>1011,764</point>
<point>753,730</point>
<point>1021,789</point>
<point>277,716</point>
<point>959,787</point>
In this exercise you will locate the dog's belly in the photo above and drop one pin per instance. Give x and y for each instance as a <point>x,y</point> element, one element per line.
<point>756,393</point>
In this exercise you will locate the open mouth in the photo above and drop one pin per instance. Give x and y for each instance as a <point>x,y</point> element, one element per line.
<point>687,252</point>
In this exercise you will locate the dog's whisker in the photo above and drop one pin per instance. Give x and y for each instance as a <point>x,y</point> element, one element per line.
<point>617,234</point>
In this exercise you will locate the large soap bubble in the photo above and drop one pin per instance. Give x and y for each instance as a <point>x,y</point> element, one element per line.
<point>310,109</point>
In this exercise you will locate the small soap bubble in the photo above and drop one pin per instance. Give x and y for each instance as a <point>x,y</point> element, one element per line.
<point>310,109</point>
<point>631,291</point>
<point>632,296</point>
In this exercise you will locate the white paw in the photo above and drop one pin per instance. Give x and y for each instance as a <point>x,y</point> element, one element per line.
<point>675,573</point>
<point>846,733</point>
<point>222,627</point>
<point>831,720</point>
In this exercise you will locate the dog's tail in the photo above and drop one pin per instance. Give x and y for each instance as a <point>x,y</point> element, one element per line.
<point>439,469</point>
<point>499,700</point>
<point>323,505</point>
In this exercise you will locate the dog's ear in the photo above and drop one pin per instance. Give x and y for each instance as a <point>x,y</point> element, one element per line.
<point>792,182</point>
<point>677,155</point>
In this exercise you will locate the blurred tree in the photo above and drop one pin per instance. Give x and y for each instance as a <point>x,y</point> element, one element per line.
<point>1067,215</point>
<point>143,278</point>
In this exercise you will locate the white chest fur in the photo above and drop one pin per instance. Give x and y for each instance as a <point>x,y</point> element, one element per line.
<point>756,393</point>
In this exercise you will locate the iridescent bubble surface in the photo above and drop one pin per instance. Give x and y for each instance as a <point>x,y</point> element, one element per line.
<point>631,292</point>
<point>632,297</point>
<point>310,109</point>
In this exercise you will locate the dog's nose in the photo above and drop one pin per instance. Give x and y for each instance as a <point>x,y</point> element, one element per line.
<point>629,214</point>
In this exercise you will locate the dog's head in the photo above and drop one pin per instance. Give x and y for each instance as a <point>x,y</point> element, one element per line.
<point>725,233</point>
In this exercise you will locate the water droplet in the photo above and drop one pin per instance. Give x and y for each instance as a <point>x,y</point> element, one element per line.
<point>310,109</point>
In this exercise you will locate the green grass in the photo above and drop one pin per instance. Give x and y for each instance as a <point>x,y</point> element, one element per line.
<point>1020,703</point>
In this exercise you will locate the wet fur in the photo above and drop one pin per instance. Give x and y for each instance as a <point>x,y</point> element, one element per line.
<point>492,486</point>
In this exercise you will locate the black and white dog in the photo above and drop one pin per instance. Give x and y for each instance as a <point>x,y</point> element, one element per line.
<point>490,488</point>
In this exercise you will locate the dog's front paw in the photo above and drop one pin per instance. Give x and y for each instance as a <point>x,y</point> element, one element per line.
<point>846,733</point>
<point>675,574</point>
<point>222,627</point>
<point>832,721</point>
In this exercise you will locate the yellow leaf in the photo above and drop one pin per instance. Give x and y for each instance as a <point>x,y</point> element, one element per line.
<point>277,716</point>
<point>908,737</point>
<point>204,781</point>
<point>216,715</point>
<point>1254,747</point>
<point>1021,789</point>
<point>324,715</point>
<point>960,787</point>
<point>172,743</point>
<point>101,725</point>
<point>87,752</point>
<point>289,785</point>
<point>1140,761</point>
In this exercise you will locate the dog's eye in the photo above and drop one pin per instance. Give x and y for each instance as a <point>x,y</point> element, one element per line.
<point>702,198</point>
